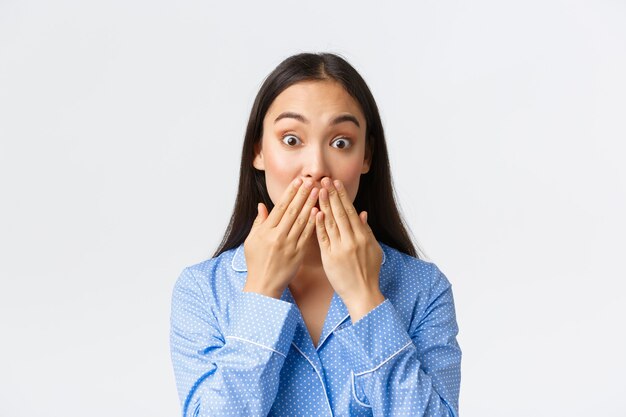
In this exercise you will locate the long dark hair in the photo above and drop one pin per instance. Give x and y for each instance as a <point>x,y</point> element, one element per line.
<point>375,193</point>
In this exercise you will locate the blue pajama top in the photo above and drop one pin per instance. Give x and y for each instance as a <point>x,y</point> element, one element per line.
<point>239,353</point>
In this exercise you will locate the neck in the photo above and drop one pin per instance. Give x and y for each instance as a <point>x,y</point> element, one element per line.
<point>310,274</point>
<point>312,256</point>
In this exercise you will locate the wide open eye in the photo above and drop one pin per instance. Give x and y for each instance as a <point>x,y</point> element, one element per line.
<point>290,140</point>
<point>342,143</point>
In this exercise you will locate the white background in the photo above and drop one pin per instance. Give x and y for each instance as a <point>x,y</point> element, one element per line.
<point>121,126</point>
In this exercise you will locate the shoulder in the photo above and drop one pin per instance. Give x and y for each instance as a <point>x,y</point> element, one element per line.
<point>213,279</point>
<point>223,263</point>
<point>411,284</point>
<point>407,269</point>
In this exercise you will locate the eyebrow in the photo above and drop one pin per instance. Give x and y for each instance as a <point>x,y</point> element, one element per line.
<point>339,119</point>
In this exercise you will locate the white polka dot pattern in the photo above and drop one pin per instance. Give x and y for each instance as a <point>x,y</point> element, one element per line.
<point>237,353</point>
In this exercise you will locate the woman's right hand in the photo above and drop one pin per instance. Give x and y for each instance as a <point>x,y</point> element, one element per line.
<point>273,248</point>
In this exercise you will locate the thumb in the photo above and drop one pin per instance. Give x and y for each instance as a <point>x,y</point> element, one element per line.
<point>259,215</point>
<point>262,213</point>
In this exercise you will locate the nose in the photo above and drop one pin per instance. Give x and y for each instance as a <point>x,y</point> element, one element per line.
<point>315,166</point>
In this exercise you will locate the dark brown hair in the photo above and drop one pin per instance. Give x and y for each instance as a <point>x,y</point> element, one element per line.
<point>375,193</point>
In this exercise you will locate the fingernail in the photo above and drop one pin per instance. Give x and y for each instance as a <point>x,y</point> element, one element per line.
<point>337,183</point>
<point>297,182</point>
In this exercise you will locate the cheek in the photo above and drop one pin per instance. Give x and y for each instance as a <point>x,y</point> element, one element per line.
<point>279,172</point>
<point>350,176</point>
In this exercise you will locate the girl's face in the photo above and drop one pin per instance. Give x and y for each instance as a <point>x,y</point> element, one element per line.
<point>313,129</point>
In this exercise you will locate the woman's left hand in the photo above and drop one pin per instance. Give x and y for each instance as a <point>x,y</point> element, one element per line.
<point>351,255</point>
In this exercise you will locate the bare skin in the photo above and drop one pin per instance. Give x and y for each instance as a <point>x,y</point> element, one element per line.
<point>314,302</point>
<point>314,131</point>
<point>287,234</point>
<point>312,291</point>
<point>274,246</point>
<point>306,279</point>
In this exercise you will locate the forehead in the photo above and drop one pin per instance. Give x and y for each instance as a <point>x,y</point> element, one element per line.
<point>316,98</point>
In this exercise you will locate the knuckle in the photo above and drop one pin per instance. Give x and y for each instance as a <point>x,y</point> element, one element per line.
<point>292,211</point>
<point>280,234</point>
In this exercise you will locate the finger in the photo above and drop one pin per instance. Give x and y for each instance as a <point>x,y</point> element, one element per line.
<point>347,205</point>
<point>329,221</point>
<point>295,207</point>
<point>261,215</point>
<point>302,220</point>
<point>320,230</point>
<point>342,208</point>
<point>308,230</point>
<point>279,209</point>
<point>366,226</point>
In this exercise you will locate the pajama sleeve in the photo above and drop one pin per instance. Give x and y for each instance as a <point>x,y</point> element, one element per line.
<point>416,372</point>
<point>232,368</point>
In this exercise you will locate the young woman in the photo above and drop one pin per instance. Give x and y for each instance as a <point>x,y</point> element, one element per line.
<point>316,302</point>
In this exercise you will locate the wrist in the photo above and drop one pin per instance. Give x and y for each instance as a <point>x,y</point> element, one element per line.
<point>274,293</point>
<point>359,306</point>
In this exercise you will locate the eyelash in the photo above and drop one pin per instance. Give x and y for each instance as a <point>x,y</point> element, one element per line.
<point>347,140</point>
